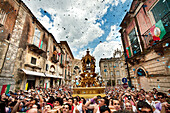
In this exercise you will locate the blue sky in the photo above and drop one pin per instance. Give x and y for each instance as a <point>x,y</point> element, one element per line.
<point>92,24</point>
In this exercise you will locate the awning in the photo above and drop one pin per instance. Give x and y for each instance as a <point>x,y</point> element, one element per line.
<point>33,73</point>
<point>52,76</point>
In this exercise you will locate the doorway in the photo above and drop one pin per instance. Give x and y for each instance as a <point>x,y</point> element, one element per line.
<point>31,84</point>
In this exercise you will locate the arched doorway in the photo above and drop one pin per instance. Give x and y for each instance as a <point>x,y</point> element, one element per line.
<point>142,78</point>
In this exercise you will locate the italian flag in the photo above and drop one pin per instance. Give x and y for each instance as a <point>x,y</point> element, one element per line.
<point>5,89</point>
<point>40,44</point>
<point>158,31</point>
<point>128,52</point>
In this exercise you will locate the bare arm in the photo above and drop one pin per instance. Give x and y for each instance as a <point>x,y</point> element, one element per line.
<point>16,107</point>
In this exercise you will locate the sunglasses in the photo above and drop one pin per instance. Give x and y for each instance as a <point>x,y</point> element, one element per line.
<point>116,104</point>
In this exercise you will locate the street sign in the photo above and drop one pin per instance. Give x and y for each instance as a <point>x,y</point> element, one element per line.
<point>124,80</point>
<point>125,85</point>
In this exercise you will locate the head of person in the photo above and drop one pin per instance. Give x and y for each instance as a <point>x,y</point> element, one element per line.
<point>104,109</point>
<point>116,104</point>
<point>141,97</point>
<point>47,108</point>
<point>98,99</point>
<point>128,106</point>
<point>66,108</point>
<point>83,100</point>
<point>65,100</point>
<point>144,107</point>
<point>161,97</point>
<point>148,97</point>
<point>58,102</point>
<point>70,101</point>
<point>142,91</point>
<point>75,99</point>
<point>155,90</point>
<point>103,101</point>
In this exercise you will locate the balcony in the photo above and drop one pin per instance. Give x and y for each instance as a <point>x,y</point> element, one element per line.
<point>36,49</point>
<point>148,39</point>
<point>33,66</point>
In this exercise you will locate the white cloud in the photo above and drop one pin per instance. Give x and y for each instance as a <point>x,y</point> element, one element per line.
<point>114,33</point>
<point>105,50</point>
<point>123,1</point>
<point>73,19</point>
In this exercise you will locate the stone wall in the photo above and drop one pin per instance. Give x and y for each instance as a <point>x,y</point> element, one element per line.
<point>157,71</point>
<point>8,68</point>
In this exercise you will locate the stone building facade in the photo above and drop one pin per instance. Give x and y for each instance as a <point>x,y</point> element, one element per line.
<point>145,36</point>
<point>67,58</point>
<point>29,53</point>
<point>113,69</point>
<point>76,69</point>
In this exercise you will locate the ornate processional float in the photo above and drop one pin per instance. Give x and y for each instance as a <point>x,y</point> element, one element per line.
<point>88,84</point>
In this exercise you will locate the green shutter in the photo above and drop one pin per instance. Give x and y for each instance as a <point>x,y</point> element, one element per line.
<point>61,58</point>
<point>65,73</point>
<point>129,51</point>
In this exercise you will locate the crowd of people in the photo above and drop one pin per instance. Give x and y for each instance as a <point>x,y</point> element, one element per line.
<point>60,100</point>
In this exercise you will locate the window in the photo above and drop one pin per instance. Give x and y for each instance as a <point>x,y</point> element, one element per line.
<point>111,73</point>
<point>33,60</point>
<point>106,73</point>
<point>105,64</point>
<point>65,73</point>
<point>116,64</point>
<point>61,58</point>
<point>37,40</point>
<point>66,56</point>
<point>46,67</point>
<point>117,73</point>
<point>3,17</point>
<point>134,41</point>
<point>54,48</point>
<point>121,63</point>
<point>110,64</point>
<point>160,9</point>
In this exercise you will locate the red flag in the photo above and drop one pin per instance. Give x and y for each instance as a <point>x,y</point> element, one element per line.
<point>39,44</point>
<point>3,89</point>
<point>45,85</point>
<point>59,54</point>
<point>153,34</point>
<point>158,31</point>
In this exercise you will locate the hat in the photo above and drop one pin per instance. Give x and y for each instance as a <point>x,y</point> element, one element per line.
<point>8,95</point>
